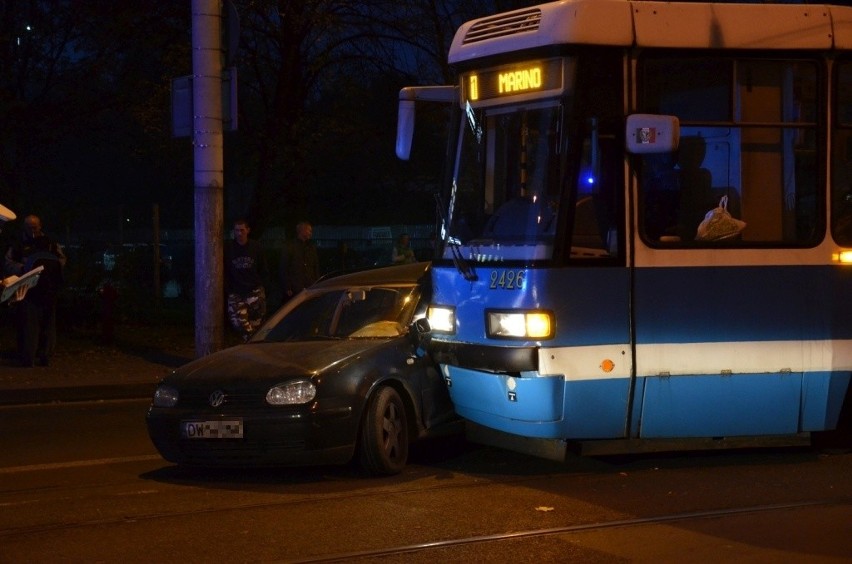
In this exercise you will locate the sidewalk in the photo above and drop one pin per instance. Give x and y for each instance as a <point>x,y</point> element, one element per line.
<point>83,368</point>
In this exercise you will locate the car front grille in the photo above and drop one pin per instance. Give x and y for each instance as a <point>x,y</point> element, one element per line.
<point>197,398</point>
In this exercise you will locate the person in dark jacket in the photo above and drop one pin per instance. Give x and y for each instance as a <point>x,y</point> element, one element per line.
<point>245,271</point>
<point>299,266</point>
<point>35,315</point>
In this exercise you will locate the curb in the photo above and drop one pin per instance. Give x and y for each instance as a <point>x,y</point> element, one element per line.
<point>25,396</point>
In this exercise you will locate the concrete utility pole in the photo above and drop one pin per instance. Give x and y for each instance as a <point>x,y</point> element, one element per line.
<point>207,140</point>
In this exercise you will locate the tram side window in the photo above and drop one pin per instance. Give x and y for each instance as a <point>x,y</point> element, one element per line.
<point>841,158</point>
<point>748,138</point>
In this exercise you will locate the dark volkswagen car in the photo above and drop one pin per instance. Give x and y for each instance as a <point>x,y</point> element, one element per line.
<point>339,371</point>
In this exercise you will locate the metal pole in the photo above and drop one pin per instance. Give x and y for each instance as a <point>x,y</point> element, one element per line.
<point>207,141</point>
<point>158,293</point>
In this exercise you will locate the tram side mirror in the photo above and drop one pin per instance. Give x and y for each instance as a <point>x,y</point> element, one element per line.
<point>652,133</point>
<point>406,116</point>
<point>404,129</point>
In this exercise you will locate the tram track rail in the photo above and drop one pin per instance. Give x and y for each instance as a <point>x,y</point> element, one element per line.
<point>454,502</point>
<point>487,502</point>
<point>565,530</point>
<point>90,490</point>
<point>425,546</point>
<point>81,492</point>
<point>429,544</point>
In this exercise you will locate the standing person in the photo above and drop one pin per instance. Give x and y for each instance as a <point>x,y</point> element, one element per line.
<point>245,270</point>
<point>344,260</point>
<point>299,262</point>
<point>35,315</point>
<point>402,253</point>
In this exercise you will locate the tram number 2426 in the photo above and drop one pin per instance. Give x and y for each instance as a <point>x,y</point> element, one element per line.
<point>506,279</point>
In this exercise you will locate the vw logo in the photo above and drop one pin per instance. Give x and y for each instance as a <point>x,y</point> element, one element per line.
<point>217,398</point>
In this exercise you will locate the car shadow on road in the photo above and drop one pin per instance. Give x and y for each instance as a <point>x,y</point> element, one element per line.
<point>436,459</point>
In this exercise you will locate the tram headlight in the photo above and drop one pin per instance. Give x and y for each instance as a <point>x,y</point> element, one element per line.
<point>442,319</point>
<point>520,324</point>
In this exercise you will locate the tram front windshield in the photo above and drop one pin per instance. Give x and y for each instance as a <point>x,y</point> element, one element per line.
<point>505,195</point>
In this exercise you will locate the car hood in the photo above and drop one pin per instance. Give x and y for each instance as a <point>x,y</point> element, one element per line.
<point>256,361</point>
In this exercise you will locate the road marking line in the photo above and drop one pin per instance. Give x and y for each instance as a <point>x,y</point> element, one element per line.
<point>78,464</point>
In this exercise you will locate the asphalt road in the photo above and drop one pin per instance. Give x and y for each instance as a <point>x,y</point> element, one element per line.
<point>81,482</point>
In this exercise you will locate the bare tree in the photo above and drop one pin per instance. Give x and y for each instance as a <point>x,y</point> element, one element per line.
<point>295,56</point>
<point>83,81</point>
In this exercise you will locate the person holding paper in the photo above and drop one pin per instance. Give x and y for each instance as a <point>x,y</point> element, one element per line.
<point>8,215</point>
<point>14,288</point>
<point>35,315</point>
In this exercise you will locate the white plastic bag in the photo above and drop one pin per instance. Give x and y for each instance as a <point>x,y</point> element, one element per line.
<point>719,224</point>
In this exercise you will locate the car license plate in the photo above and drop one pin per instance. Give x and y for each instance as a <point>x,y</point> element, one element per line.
<point>220,429</point>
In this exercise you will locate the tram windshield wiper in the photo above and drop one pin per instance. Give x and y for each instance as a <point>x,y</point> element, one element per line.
<point>455,246</point>
<point>458,260</point>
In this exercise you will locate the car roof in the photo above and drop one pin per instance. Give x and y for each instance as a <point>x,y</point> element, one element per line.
<point>400,274</point>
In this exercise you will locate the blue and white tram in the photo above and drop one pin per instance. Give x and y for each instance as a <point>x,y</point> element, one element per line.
<point>647,239</point>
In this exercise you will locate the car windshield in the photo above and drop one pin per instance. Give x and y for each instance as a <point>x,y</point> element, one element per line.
<point>351,313</point>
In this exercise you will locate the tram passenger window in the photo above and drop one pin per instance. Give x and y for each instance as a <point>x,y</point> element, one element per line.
<point>748,135</point>
<point>841,172</point>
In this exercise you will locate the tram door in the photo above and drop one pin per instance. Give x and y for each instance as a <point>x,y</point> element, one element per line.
<point>722,333</point>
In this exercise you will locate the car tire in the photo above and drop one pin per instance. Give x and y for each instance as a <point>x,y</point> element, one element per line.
<point>384,434</point>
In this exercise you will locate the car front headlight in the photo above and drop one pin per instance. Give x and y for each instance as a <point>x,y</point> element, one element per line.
<point>291,393</point>
<point>165,396</point>
<point>520,324</point>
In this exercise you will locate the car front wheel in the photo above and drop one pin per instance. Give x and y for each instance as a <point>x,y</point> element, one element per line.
<point>384,434</point>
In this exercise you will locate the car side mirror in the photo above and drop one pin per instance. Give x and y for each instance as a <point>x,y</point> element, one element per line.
<point>420,334</point>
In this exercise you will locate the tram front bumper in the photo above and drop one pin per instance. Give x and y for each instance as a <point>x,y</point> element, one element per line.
<point>504,402</point>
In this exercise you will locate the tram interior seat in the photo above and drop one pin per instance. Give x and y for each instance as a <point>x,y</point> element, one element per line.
<point>519,219</point>
<point>591,228</point>
<point>679,193</point>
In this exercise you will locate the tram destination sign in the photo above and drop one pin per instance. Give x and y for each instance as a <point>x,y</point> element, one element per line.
<point>493,85</point>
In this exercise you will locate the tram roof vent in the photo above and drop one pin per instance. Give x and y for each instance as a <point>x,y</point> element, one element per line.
<point>520,21</point>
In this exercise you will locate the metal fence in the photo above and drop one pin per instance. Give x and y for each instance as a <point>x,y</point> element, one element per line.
<point>127,262</point>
